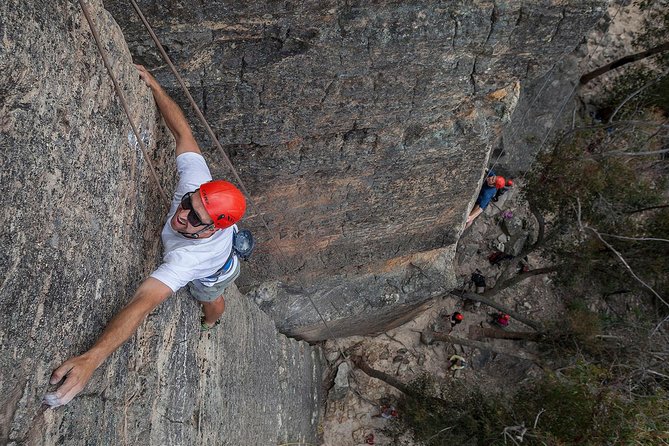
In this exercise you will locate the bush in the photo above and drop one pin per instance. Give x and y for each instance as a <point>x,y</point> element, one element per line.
<point>585,407</point>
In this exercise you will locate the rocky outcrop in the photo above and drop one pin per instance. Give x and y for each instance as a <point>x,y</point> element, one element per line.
<point>361,130</point>
<point>556,101</point>
<point>81,225</point>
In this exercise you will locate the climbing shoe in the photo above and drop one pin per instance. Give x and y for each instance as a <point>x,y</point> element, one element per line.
<point>204,327</point>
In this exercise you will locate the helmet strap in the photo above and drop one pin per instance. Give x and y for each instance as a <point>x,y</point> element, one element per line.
<point>196,235</point>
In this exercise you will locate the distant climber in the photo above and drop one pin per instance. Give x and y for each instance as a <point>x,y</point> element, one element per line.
<point>501,191</point>
<point>455,318</point>
<point>387,412</point>
<point>457,362</point>
<point>198,240</point>
<point>492,183</point>
<point>479,281</point>
<point>500,320</point>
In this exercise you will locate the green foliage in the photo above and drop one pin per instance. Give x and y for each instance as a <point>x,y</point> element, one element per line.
<point>584,407</point>
<point>462,416</point>
<point>612,191</point>
<point>655,23</point>
<point>638,90</point>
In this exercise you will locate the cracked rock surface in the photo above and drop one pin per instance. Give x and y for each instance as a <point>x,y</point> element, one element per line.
<point>81,225</point>
<point>361,129</point>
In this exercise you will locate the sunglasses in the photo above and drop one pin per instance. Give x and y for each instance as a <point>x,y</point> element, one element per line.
<point>192,217</point>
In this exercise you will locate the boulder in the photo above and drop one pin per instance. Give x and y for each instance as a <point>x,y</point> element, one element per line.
<point>341,384</point>
<point>512,226</point>
<point>516,244</point>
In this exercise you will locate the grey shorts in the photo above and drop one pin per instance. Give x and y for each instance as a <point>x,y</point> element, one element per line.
<point>204,293</point>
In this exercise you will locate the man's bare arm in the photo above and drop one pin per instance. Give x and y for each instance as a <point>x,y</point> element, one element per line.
<point>473,214</point>
<point>77,371</point>
<point>172,114</point>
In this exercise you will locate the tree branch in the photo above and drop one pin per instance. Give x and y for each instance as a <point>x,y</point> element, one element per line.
<point>428,337</point>
<point>542,226</point>
<point>648,153</point>
<point>650,208</point>
<point>640,239</point>
<point>476,333</point>
<point>624,262</point>
<point>622,61</point>
<point>519,278</point>
<point>391,381</point>
<point>635,93</point>
<point>608,125</point>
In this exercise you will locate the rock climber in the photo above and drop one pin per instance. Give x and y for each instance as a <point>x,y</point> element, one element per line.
<point>492,183</point>
<point>502,191</point>
<point>387,412</point>
<point>198,243</point>
<point>500,320</point>
<point>455,319</point>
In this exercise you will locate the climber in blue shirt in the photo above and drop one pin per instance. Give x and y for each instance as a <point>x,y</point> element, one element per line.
<point>492,183</point>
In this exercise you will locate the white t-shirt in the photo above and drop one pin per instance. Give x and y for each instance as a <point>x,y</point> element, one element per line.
<point>188,259</point>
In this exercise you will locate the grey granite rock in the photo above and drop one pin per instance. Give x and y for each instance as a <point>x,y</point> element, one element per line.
<point>516,244</point>
<point>512,226</point>
<point>361,130</point>
<point>341,384</point>
<point>81,226</point>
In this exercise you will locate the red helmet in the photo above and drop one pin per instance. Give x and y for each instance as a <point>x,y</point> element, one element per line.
<point>500,182</point>
<point>509,183</point>
<point>224,203</point>
<point>458,316</point>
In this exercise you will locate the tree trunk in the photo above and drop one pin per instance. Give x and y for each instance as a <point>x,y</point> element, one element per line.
<point>481,298</point>
<point>623,61</point>
<point>428,336</point>
<point>495,333</point>
<point>662,206</point>
<point>519,278</point>
<point>391,381</point>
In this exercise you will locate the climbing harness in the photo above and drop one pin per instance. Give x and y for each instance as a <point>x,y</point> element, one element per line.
<point>242,248</point>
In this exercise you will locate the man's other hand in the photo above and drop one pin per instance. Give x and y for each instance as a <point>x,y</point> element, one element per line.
<point>77,372</point>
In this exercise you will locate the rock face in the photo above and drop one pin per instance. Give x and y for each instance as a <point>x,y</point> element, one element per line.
<point>556,101</point>
<point>361,130</point>
<point>81,226</point>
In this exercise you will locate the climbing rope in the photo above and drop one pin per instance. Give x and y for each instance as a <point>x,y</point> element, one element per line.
<point>214,139</point>
<point>138,137</point>
<point>568,98</point>
<point>121,98</point>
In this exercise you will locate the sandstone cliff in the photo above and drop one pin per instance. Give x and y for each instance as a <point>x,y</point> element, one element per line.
<point>362,130</point>
<point>81,221</point>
